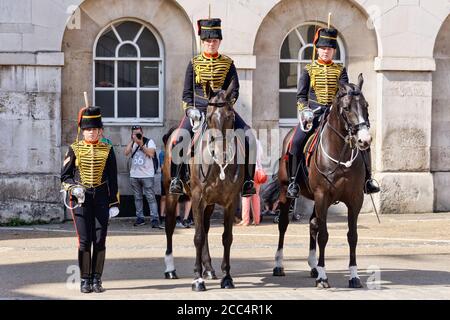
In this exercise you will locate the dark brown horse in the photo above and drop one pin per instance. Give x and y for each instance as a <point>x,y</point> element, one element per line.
<point>336,173</point>
<point>216,177</point>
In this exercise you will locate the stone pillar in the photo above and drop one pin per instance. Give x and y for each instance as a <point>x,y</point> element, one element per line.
<point>404,134</point>
<point>30,124</point>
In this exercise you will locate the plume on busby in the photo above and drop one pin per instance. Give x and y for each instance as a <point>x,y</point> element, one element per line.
<point>326,37</point>
<point>90,117</point>
<point>209,29</point>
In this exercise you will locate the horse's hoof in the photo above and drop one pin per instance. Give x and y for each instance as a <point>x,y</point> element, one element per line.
<point>198,286</point>
<point>314,273</point>
<point>322,284</point>
<point>355,283</point>
<point>171,275</point>
<point>227,283</point>
<point>210,275</point>
<point>278,272</point>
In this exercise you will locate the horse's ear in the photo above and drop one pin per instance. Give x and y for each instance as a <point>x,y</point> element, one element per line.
<point>229,90</point>
<point>360,81</point>
<point>208,90</point>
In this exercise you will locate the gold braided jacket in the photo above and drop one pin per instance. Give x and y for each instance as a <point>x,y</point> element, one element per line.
<point>319,83</point>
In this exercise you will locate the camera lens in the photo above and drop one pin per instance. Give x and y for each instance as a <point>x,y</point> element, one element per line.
<point>139,136</point>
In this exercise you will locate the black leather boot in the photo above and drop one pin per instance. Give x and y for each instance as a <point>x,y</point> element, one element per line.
<point>369,185</point>
<point>84,262</point>
<point>293,190</point>
<point>98,261</point>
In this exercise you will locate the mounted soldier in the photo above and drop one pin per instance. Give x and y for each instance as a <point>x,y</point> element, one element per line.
<point>317,88</point>
<point>217,70</point>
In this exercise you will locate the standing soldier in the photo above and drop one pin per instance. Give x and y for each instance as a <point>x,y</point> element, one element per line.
<point>220,72</point>
<point>317,87</point>
<point>90,172</point>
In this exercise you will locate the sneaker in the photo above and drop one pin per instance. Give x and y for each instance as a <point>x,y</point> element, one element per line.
<point>156,225</point>
<point>186,223</point>
<point>139,222</point>
<point>179,224</point>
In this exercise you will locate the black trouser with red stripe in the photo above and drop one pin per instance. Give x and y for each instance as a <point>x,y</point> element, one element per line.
<point>91,223</point>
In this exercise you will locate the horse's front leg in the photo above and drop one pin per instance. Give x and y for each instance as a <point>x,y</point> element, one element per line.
<point>313,230</point>
<point>170,221</point>
<point>199,241</point>
<point>283,223</point>
<point>352,238</point>
<point>227,240</point>
<point>209,272</point>
<point>322,239</point>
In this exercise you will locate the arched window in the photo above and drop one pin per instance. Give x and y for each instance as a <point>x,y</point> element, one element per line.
<point>128,73</point>
<point>296,52</point>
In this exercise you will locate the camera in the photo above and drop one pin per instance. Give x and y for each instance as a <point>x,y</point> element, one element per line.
<point>139,136</point>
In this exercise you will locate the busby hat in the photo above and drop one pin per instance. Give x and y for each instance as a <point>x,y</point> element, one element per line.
<point>209,29</point>
<point>326,37</point>
<point>90,117</point>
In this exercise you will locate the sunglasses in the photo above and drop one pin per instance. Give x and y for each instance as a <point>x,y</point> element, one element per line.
<point>136,127</point>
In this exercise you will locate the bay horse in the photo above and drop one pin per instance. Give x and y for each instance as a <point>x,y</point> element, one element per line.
<point>336,174</point>
<point>216,177</point>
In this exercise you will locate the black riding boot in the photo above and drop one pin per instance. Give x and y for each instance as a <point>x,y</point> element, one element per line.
<point>84,262</point>
<point>248,188</point>
<point>176,184</point>
<point>369,184</point>
<point>293,190</point>
<point>98,261</point>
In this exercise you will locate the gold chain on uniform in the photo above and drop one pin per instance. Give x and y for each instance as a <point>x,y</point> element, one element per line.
<point>324,80</point>
<point>211,70</point>
<point>91,161</point>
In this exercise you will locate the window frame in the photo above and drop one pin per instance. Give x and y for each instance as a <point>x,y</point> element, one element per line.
<point>138,89</point>
<point>291,122</point>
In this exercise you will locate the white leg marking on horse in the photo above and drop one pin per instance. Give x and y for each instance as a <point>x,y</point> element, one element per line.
<point>198,280</point>
<point>353,272</point>
<point>312,259</point>
<point>168,260</point>
<point>279,258</point>
<point>322,273</point>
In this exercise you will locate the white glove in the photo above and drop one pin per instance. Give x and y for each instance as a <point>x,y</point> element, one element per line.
<point>114,211</point>
<point>194,114</point>
<point>306,118</point>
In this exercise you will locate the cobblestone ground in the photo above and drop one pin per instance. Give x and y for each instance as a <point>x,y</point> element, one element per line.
<point>408,255</point>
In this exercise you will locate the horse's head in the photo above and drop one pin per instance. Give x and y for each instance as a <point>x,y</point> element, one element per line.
<point>353,109</point>
<point>220,114</point>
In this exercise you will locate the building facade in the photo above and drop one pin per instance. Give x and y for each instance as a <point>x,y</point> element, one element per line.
<point>131,55</point>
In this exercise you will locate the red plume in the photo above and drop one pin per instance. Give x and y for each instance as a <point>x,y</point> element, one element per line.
<point>316,36</point>
<point>80,114</point>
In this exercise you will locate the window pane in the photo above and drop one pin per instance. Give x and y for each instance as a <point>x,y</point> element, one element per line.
<point>128,30</point>
<point>288,105</point>
<point>126,104</point>
<point>148,45</point>
<point>307,53</point>
<point>337,55</point>
<point>105,100</point>
<point>291,46</point>
<point>307,32</point>
<point>104,73</point>
<point>288,75</point>
<point>149,74</point>
<point>106,45</point>
<point>149,104</point>
<point>127,51</point>
<point>127,74</point>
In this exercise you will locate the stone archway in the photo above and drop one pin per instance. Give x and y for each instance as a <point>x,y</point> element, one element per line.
<point>440,132</point>
<point>166,18</point>
<point>359,40</point>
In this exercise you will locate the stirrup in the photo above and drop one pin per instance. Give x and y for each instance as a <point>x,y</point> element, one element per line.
<point>176,186</point>
<point>248,188</point>
<point>293,190</point>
